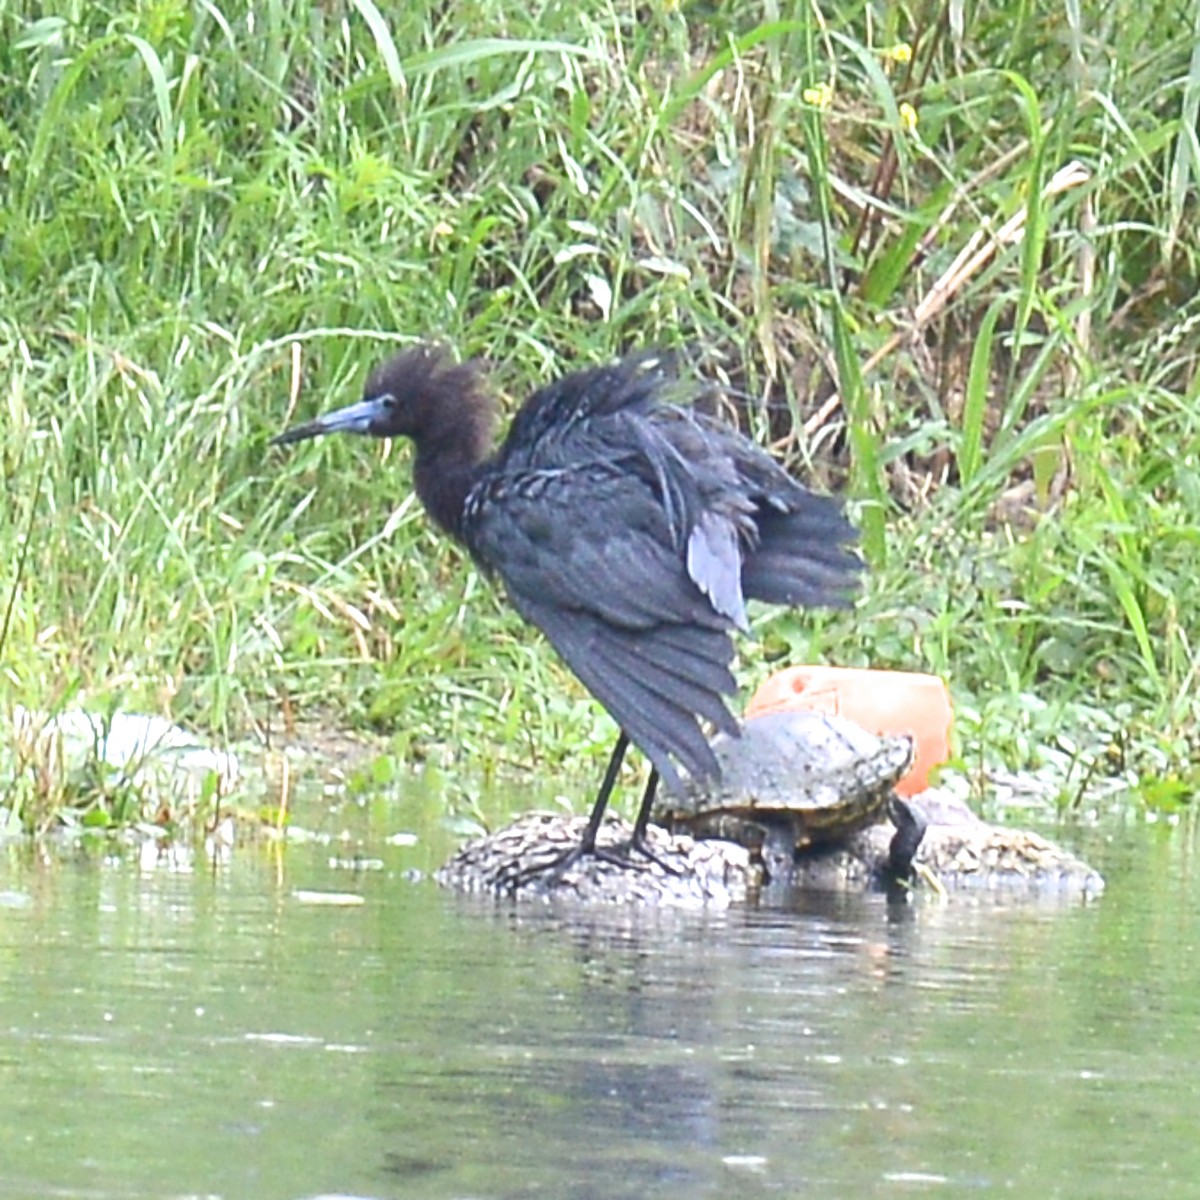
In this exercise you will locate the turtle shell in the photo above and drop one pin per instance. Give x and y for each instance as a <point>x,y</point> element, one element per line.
<point>811,776</point>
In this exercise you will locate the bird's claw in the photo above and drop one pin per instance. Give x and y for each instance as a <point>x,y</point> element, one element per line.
<point>639,843</point>
<point>509,883</point>
<point>620,855</point>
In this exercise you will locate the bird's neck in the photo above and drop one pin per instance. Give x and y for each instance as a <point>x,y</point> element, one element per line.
<point>452,449</point>
<point>442,483</point>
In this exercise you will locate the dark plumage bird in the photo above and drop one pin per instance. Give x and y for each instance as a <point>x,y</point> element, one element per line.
<point>629,530</point>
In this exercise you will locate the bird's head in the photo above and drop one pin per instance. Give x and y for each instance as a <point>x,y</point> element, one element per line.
<point>409,395</point>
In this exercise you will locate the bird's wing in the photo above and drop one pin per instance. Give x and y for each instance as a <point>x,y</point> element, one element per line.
<point>801,549</point>
<point>587,557</point>
<point>656,683</point>
<point>552,421</point>
<point>592,538</point>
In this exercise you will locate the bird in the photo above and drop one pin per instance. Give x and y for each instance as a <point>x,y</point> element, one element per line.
<point>629,528</point>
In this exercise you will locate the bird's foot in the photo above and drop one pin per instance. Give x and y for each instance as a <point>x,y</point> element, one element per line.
<point>552,871</point>
<point>641,844</point>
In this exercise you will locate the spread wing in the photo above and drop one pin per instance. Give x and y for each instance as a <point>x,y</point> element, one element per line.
<point>631,532</point>
<point>587,556</point>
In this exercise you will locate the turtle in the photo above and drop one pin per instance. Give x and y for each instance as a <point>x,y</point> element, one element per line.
<point>796,782</point>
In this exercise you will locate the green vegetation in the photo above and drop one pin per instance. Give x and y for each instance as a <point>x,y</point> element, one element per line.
<point>215,217</point>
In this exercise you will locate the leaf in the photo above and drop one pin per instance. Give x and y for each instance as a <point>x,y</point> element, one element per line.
<point>970,450</point>
<point>383,40</point>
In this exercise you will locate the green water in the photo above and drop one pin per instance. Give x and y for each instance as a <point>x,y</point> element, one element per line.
<point>214,1033</point>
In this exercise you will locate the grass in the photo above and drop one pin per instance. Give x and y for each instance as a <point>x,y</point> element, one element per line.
<point>216,217</point>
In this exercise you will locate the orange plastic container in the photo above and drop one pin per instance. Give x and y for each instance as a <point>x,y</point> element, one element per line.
<point>880,701</point>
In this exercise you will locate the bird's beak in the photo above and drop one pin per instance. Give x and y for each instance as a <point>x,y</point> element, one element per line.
<point>354,418</point>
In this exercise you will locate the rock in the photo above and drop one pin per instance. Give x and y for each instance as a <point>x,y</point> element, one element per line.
<point>962,852</point>
<point>518,860</point>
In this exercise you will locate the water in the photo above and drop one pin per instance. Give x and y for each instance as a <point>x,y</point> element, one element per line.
<point>217,1034</point>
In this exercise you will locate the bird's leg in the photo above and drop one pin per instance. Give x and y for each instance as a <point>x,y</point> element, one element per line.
<point>588,844</point>
<point>618,856</point>
<point>638,841</point>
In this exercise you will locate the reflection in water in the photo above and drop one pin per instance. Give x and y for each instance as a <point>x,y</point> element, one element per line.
<point>682,1050</point>
<point>166,1033</point>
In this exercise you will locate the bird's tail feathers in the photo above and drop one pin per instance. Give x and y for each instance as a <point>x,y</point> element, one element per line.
<point>804,557</point>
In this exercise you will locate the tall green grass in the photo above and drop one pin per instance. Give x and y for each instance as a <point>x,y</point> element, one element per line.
<point>215,217</point>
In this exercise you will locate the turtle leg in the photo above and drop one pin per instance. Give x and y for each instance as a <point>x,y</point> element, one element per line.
<point>778,852</point>
<point>911,823</point>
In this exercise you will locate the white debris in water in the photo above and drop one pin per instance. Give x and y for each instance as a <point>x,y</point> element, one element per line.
<point>283,1039</point>
<point>356,863</point>
<point>330,899</point>
<point>149,750</point>
<point>755,1163</point>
